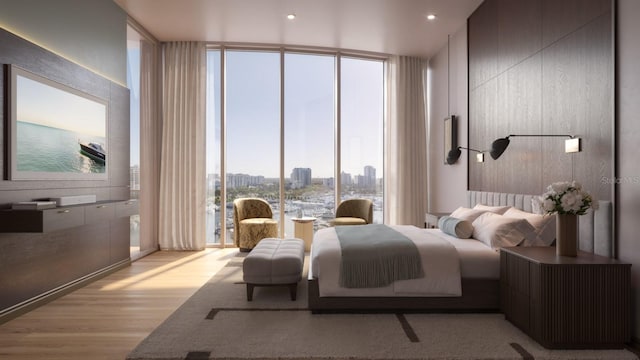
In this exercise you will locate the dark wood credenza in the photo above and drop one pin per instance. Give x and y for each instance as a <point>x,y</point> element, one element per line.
<point>580,302</point>
<point>47,253</point>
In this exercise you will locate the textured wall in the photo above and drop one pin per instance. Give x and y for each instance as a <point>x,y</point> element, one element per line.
<point>35,263</point>
<point>628,133</point>
<point>92,33</point>
<point>542,67</point>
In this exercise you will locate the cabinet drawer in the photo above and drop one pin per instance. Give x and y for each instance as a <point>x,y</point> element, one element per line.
<point>62,218</point>
<point>127,208</point>
<point>96,213</point>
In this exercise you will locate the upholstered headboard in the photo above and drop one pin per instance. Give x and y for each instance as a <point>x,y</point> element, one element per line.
<point>596,227</point>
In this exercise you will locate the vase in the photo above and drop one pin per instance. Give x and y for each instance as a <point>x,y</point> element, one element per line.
<point>566,234</point>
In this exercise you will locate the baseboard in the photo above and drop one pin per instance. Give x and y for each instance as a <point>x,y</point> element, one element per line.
<point>37,301</point>
<point>634,346</point>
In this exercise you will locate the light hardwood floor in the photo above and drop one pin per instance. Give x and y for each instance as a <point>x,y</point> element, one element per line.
<point>109,317</point>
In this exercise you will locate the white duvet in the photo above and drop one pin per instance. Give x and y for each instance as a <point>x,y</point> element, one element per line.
<point>440,262</point>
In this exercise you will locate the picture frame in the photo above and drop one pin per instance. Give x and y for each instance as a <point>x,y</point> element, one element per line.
<point>55,132</point>
<point>450,135</point>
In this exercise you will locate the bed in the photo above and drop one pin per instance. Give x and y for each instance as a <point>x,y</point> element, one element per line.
<point>475,265</point>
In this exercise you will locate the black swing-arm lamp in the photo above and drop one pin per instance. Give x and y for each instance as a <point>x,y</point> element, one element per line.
<point>454,154</point>
<point>500,145</point>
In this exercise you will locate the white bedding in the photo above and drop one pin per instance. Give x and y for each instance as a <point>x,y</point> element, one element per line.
<point>440,261</point>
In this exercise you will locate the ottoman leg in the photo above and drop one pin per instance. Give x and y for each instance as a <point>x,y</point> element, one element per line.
<point>293,288</point>
<point>249,292</point>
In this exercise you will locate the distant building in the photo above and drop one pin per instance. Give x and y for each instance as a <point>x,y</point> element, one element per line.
<point>329,182</point>
<point>300,178</point>
<point>243,180</point>
<point>345,179</point>
<point>369,179</point>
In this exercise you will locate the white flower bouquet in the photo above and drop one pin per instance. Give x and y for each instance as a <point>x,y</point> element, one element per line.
<point>565,198</point>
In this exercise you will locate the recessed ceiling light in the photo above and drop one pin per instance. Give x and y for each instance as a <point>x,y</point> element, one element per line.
<point>431,17</point>
<point>291,16</point>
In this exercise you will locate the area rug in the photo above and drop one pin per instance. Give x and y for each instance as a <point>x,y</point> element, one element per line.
<point>218,322</point>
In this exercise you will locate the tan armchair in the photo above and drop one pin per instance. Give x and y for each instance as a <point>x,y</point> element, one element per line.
<point>354,212</point>
<point>252,221</point>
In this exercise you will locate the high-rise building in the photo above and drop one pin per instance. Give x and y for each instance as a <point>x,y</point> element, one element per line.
<point>369,177</point>
<point>300,178</point>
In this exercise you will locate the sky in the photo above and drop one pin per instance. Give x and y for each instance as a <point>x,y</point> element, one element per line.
<point>43,104</point>
<point>253,113</point>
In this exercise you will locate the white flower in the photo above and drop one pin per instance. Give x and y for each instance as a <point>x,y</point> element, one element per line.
<point>571,201</point>
<point>566,198</point>
<point>559,187</point>
<point>548,205</point>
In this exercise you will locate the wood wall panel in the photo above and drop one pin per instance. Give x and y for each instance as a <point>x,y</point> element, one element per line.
<point>580,65</point>
<point>519,31</point>
<point>34,264</point>
<point>483,43</point>
<point>563,88</point>
<point>483,106</point>
<point>560,18</point>
<point>519,112</point>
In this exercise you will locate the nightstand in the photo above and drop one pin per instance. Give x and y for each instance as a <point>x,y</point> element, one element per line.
<point>431,219</point>
<point>580,302</point>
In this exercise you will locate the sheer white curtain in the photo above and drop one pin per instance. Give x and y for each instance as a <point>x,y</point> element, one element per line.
<point>182,178</point>
<point>406,142</point>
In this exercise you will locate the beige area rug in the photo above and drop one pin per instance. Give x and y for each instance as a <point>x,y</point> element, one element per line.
<point>217,322</point>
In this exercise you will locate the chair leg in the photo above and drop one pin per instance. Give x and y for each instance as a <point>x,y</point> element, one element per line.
<point>293,288</point>
<point>249,292</point>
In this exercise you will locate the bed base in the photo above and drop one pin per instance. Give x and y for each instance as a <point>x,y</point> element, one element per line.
<point>478,295</point>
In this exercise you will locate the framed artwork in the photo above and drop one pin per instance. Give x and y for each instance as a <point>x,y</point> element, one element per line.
<point>55,132</point>
<point>450,135</point>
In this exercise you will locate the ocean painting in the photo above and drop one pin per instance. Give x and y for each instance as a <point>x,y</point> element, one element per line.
<point>58,132</point>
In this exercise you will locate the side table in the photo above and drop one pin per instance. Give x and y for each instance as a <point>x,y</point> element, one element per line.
<point>303,229</point>
<point>564,302</point>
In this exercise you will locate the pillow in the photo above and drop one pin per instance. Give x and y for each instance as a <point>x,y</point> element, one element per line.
<point>498,231</point>
<point>494,209</point>
<point>464,213</point>
<point>455,227</point>
<point>545,226</point>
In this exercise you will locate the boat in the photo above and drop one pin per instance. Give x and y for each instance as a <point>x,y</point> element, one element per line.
<point>94,151</point>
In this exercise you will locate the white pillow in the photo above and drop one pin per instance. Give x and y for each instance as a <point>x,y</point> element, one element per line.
<point>494,209</point>
<point>498,231</point>
<point>464,213</point>
<point>545,226</point>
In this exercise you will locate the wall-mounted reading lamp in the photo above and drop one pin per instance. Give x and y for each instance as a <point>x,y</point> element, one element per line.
<point>500,145</point>
<point>454,154</point>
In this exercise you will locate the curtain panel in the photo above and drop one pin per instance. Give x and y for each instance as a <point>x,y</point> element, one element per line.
<point>406,142</point>
<point>182,170</point>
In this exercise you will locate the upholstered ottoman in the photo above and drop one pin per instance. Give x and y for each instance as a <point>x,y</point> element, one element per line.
<point>274,262</point>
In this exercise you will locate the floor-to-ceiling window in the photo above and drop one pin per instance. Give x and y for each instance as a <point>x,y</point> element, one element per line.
<point>361,129</point>
<point>214,116</point>
<point>133,83</point>
<point>271,125</point>
<point>309,119</point>
<point>252,103</point>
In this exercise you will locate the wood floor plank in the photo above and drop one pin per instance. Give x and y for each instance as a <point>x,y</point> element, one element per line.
<point>109,317</point>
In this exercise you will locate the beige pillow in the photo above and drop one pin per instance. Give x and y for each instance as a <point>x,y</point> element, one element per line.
<point>494,209</point>
<point>498,231</point>
<point>545,226</point>
<point>464,213</point>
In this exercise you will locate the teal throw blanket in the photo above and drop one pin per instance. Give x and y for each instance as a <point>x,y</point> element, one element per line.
<point>376,255</point>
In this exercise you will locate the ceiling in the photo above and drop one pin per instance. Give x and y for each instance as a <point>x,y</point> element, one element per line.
<point>378,26</point>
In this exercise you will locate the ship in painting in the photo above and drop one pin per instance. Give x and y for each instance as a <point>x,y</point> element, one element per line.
<point>94,151</point>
